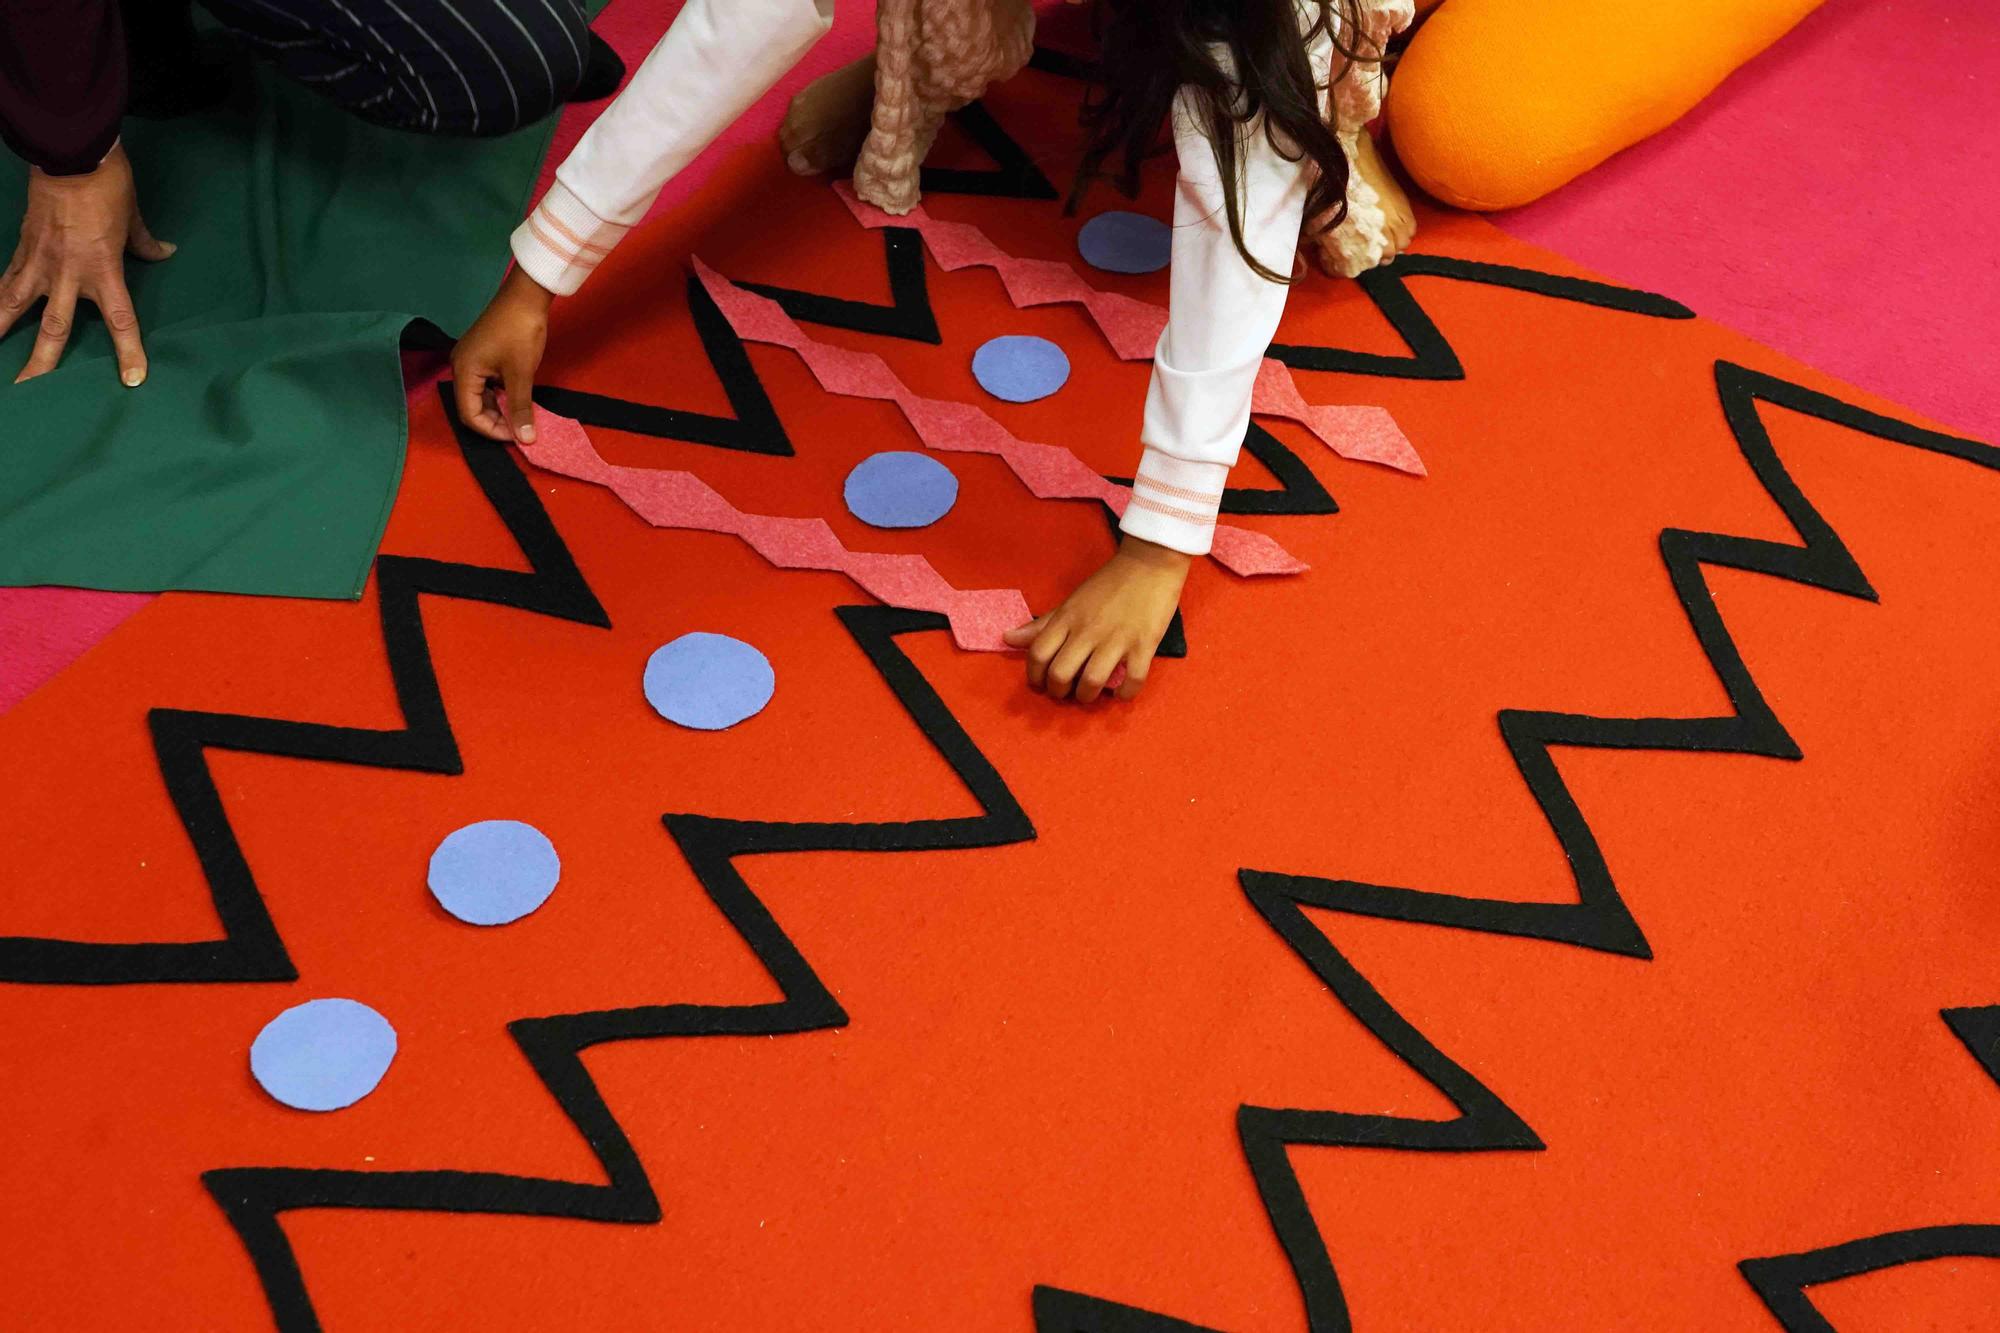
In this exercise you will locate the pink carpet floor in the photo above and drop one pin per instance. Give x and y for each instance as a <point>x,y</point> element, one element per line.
<point>1838,199</point>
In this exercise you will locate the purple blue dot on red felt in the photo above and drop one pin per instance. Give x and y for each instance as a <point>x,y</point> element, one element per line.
<point>1020,367</point>
<point>494,871</point>
<point>899,489</point>
<point>1121,242</point>
<point>323,1054</point>
<point>708,681</point>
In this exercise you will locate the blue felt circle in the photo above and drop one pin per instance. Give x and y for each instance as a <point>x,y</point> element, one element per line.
<point>708,681</point>
<point>493,872</point>
<point>323,1054</point>
<point>899,489</point>
<point>1121,242</point>
<point>1020,367</point>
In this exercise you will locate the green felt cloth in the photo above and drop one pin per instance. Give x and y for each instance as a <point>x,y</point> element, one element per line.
<point>262,453</point>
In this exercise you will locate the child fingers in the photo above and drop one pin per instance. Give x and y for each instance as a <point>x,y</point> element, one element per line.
<point>520,405</point>
<point>474,402</point>
<point>1023,635</point>
<point>1068,664</point>
<point>1042,653</point>
<point>1097,673</point>
<point>1136,667</point>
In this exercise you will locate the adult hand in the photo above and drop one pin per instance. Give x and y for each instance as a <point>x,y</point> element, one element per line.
<point>500,353</point>
<point>74,239</point>
<point>1115,617</point>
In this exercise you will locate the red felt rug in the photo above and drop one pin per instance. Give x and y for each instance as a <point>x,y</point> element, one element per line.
<point>1568,905</point>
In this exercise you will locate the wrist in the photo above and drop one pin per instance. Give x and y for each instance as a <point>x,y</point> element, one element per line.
<point>522,292</point>
<point>1152,555</point>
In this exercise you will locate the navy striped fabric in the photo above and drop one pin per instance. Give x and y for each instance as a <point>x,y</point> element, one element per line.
<point>474,67</point>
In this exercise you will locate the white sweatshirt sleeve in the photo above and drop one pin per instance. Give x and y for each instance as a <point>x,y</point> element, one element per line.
<point>716,60</point>
<point>1221,318</point>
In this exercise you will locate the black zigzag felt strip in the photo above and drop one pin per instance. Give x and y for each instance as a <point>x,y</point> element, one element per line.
<point>250,948</point>
<point>1298,492</point>
<point>255,1198</point>
<point>1431,355</point>
<point>908,314</point>
<point>1597,920</point>
<point>1014,174</point>
<point>755,427</point>
<point>1781,1281</point>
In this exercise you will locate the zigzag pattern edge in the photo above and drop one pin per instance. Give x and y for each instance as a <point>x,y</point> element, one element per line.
<point>1598,920</point>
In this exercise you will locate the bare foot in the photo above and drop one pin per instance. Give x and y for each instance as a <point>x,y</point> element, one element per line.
<point>1380,222</point>
<point>828,119</point>
<point>1402,218</point>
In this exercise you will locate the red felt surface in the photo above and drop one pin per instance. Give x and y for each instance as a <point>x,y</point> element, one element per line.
<point>1049,1041</point>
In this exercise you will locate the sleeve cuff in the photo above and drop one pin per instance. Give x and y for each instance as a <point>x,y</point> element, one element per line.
<point>1174,502</point>
<point>562,241</point>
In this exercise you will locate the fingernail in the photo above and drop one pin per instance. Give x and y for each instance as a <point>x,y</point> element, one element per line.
<point>526,434</point>
<point>168,246</point>
<point>134,378</point>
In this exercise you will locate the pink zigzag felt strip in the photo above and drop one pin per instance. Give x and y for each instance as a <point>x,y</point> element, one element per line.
<point>1049,471</point>
<point>1133,328</point>
<point>675,499</point>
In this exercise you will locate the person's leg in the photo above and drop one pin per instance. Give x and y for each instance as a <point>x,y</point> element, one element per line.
<point>464,67</point>
<point>881,114</point>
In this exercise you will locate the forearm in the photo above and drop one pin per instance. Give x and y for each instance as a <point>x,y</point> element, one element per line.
<point>716,60</point>
<point>1223,315</point>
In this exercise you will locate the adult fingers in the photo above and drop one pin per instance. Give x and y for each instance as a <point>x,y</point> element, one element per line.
<point>114,302</point>
<point>58,316</point>
<point>143,244</point>
<point>20,289</point>
<point>1043,651</point>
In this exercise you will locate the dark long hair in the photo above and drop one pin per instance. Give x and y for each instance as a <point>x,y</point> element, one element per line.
<point>1150,49</point>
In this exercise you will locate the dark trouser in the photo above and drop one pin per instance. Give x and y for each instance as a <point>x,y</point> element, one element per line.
<point>475,67</point>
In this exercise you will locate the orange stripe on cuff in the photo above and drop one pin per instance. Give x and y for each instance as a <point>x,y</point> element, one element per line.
<point>1199,520</point>
<point>1178,492</point>
<point>581,244</point>
<point>556,248</point>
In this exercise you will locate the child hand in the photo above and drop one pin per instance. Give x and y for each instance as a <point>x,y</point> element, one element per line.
<point>501,351</point>
<point>1117,615</point>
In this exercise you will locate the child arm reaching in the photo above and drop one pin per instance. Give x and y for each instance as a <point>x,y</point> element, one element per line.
<point>1246,185</point>
<point>717,59</point>
<point>1222,315</point>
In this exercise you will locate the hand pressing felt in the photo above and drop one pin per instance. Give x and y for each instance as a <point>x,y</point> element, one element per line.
<point>74,240</point>
<point>1116,617</point>
<point>499,355</point>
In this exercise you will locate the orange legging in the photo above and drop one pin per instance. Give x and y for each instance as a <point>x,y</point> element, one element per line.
<point>1497,102</point>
